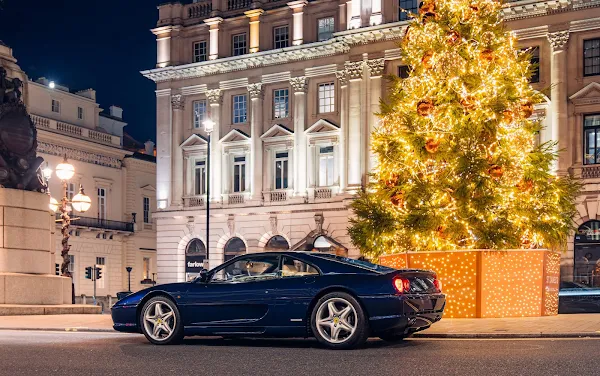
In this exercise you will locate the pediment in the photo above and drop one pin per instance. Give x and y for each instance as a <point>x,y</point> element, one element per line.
<point>590,94</point>
<point>322,126</point>
<point>235,136</point>
<point>277,131</point>
<point>194,140</point>
<point>148,187</point>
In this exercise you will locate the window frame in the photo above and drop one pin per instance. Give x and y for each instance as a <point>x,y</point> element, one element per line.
<point>80,113</point>
<point>146,270</point>
<point>102,214</point>
<point>237,117</point>
<point>331,106</point>
<point>592,57</point>
<point>222,267</point>
<point>281,43</point>
<point>283,256</point>
<point>197,56</point>
<point>236,49</point>
<point>330,33</point>
<point>55,106</point>
<point>200,164</point>
<point>284,179</point>
<point>403,16</point>
<point>196,105</point>
<point>146,209</point>
<point>596,129</point>
<point>329,156</point>
<point>242,173</point>
<point>535,59</point>
<point>286,99</point>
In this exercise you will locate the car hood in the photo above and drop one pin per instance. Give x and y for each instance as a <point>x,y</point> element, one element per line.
<point>169,288</point>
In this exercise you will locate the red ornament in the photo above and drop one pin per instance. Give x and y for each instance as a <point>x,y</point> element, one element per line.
<point>496,171</point>
<point>425,107</point>
<point>432,145</point>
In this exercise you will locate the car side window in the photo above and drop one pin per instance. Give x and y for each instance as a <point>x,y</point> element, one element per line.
<point>248,269</point>
<point>295,268</point>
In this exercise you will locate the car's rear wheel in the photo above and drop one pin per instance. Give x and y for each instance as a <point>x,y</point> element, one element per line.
<point>161,322</point>
<point>338,321</point>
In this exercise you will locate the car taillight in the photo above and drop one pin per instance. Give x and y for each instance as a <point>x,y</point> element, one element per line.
<point>402,285</point>
<point>438,284</point>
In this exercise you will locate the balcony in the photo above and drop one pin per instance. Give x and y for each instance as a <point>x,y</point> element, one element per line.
<point>193,201</point>
<point>101,224</point>
<point>235,199</point>
<point>238,4</point>
<point>201,9</point>
<point>276,196</point>
<point>41,122</point>
<point>323,193</point>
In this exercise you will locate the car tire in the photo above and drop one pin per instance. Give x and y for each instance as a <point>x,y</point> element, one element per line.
<point>161,322</point>
<point>339,322</point>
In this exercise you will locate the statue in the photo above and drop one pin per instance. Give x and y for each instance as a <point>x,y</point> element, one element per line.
<point>19,165</point>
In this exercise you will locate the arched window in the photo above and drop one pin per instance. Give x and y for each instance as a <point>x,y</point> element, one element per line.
<point>587,254</point>
<point>234,247</point>
<point>195,248</point>
<point>277,243</point>
<point>195,254</point>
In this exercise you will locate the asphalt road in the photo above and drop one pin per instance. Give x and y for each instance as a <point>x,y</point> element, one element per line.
<point>85,354</point>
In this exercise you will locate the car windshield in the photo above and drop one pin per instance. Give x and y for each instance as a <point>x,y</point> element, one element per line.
<point>361,263</point>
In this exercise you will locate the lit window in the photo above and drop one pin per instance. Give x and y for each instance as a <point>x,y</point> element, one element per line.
<point>101,203</point>
<point>239,45</point>
<point>239,174</point>
<point>326,97</point>
<point>200,178</point>
<point>591,129</point>
<point>326,166</point>
<point>281,170</point>
<point>146,268</point>
<point>146,204</point>
<point>405,7</point>
<point>281,103</point>
<point>199,108</point>
<point>200,52</point>
<point>55,106</point>
<point>71,267</point>
<point>591,57</point>
<point>70,190</point>
<point>79,113</point>
<point>281,37</point>
<point>326,27</point>
<point>240,109</point>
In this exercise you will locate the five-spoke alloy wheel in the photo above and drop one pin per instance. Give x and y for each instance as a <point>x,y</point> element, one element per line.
<point>339,322</point>
<point>161,322</point>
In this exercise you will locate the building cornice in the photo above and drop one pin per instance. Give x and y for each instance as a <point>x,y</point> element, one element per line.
<point>534,8</point>
<point>78,155</point>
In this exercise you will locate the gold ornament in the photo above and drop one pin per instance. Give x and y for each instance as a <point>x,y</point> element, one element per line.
<point>508,116</point>
<point>426,59</point>
<point>425,107</point>
<point>496,171</point>
<point>398,199</point>
<point>525,185</point>
<point>432,145</point>
<point>487,55</point>
<point>452,37</point>
<point>392,182</point>
<point>526,109</point>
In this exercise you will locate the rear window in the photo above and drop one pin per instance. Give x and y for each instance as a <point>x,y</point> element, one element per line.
<point>359,263</point>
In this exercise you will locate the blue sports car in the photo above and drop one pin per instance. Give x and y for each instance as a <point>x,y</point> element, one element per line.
<point>338,300</point>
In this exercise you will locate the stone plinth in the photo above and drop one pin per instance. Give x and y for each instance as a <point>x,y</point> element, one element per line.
<point>491,283</point>
<point>25,252</point>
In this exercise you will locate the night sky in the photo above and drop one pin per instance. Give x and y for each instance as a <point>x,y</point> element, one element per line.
<point>99,44</point>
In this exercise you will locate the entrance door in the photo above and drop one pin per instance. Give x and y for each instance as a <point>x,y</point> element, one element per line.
<point>586,266</point>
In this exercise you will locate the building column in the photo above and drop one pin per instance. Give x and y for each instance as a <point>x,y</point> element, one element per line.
<point>343,144</point>
<point>353,17</point>
<point>213,45</point>
<point>354,71</point>
<point>560,132</point>
<point>254,16</point>
<point>178,105</point>
<point>215,98</point>
<point>376,15</point>
<point>298,25</point>
<point>300,86</point>
<point>376,67</point>
<point>256,154</point>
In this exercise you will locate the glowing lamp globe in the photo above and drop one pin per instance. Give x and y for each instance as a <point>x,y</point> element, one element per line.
<point>81,202</point>
<point>47,172</point>
<point>65,170</point>
<point>53,204</point>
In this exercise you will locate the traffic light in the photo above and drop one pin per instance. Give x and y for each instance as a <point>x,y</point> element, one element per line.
<point>57,266</point>
<point>88,272</point>
<point>98,273</point>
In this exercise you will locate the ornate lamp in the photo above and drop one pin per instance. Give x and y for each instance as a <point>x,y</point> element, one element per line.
<point>81,202</point>
<point>65,170</point>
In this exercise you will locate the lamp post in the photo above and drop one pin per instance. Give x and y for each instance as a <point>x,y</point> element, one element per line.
<point>209,126</point>
<point>80,202</point>
<point>129,269</point>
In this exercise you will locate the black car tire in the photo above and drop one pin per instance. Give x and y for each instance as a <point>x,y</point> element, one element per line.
<point>360,334</point>
<point>177,331</point>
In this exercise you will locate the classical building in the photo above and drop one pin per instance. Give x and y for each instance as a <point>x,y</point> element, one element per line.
<point>292,87</point>
<point>117,231</point>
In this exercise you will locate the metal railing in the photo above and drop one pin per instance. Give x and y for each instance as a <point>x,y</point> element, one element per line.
<point>98,223</point>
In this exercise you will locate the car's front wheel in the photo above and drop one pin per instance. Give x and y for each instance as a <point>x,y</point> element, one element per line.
<point>338,321</point>
<point>161,322</point>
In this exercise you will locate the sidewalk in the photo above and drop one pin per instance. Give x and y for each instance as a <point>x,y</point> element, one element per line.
<point>562,326</point>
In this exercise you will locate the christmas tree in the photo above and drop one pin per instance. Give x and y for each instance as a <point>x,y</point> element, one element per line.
<point>458,166</point>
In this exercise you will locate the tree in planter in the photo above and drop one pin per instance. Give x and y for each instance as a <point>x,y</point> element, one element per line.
<point>459,167</point>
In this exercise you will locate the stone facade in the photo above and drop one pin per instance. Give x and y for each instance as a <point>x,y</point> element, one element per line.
<point>294,86</point>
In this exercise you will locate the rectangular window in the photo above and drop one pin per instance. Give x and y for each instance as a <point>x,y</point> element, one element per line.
<point>405,7</point>
<point>239,45</point>
<point>80,113</point>
<point>146,268</point>
<point>281,37</point>
<point>326,97</point>
<point>72,264</point>
<point>101,264</point>
<point>239,174</point>
<point>101,203</point>
<point>535,60</point>
<point>281,103</point>
<point>591,57</point>
<point>326,27</point>
<point>326,166</point>
<point>240,112</point>
<point>591,130</point>
<point>200,51</point>
<point>100,260</point>
<point>70,190</point>
<point>55,106</point>
<point>403,71</point>
<point>200,178</point>
<point>199,113</point>
<point>146,205</point>
<point>281,170</point>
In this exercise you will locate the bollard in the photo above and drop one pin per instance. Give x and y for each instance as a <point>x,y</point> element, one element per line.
<point>83,299</point>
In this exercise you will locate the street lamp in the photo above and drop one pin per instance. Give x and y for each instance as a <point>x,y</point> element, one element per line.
<point>129,269</point>
<point>209,126</point>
